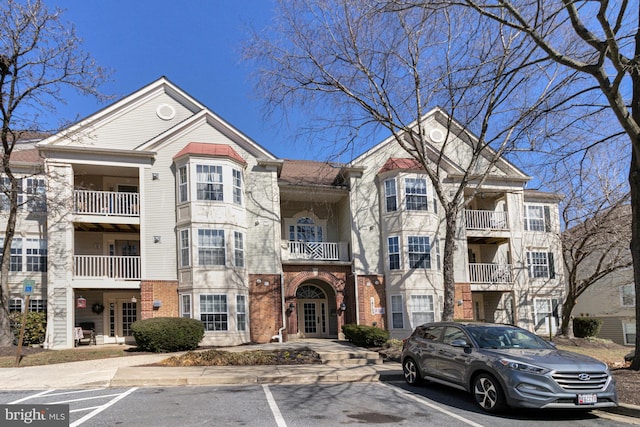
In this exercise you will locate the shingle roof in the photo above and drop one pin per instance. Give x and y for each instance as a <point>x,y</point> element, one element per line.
<point>31,155</point>
<point>400,163</point>
<point>214,150</point>
<point>308,172</point>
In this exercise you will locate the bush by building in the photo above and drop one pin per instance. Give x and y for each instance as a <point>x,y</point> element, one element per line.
<point>167,334</point>
<point>365,336</point>
<point>584,327</point>
<point>35,327</point>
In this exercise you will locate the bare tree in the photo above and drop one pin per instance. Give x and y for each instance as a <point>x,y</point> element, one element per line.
<point>599,40</point>
<point>596,217</point>
<point>361,64</point>
<point>39,56</point>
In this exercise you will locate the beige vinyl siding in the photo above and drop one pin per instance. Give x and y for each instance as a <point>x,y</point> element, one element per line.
<point>612,329</point>
<point>134,126</point>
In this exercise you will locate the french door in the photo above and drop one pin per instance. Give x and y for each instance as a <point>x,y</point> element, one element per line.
<point>313,319</point>
<point>122,312</point>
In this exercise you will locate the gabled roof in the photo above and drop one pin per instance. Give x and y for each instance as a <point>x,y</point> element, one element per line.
<point>210,150</point>
<point>31,155</point>
<point>395,163</point>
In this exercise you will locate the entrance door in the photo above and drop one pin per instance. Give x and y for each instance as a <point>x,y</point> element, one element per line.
<point>122,313</point>
<point>313,319</point>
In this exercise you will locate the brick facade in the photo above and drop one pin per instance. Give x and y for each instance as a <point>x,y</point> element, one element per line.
<point>462,293</point>
<point>163,291</point>
<point>265,308</point>
<point>371,288</point>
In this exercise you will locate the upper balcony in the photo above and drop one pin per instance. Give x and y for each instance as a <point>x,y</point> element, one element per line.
<point>315,251</point>
<point>486,226</point>
<point>106,203</point>
<point>488,276</point>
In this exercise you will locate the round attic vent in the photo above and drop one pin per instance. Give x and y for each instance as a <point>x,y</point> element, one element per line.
<point>166,111</point>
<point>436,135</point>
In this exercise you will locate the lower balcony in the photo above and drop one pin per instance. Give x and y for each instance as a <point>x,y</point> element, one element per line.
<point>111,267</point>
<point>315,251</point>
<point>490,273</point>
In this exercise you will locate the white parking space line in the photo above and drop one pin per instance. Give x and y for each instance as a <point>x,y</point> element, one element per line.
<point>274,407</point>
<point>65,392</point>
<point>103,407</point>
<point>88,408</point>
<point>422,400</point>
<point>33,396</point>
<point>101,396</point>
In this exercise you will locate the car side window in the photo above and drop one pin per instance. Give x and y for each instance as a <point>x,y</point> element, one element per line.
<point>452,333</point>
<point>431,333</point>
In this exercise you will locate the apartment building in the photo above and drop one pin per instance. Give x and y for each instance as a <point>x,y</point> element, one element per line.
<point>155,207</point>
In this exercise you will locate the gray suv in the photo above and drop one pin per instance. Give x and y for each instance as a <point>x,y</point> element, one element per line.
<point>503,365</point>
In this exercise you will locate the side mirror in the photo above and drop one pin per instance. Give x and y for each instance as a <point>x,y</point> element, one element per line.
<point>460,343</point>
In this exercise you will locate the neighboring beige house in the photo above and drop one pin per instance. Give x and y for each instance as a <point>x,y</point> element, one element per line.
<point>155,206</point>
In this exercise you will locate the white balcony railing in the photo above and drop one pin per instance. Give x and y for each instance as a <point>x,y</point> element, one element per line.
<point>111,203</point>
<point>490,273</point>
<point>485,220</point>
<point>114,267</point>
<point>321,251</point>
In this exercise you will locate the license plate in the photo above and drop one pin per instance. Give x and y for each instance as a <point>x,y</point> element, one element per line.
<point>587,399</point>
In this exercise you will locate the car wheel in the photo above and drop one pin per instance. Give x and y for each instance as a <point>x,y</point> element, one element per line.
<point>411,372</point>
<point>488,393</point>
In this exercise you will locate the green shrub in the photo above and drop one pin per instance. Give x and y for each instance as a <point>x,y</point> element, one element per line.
<point>365,336</point>
<point>584,327</point>
<point>167,334</point>
<point>34,330</point>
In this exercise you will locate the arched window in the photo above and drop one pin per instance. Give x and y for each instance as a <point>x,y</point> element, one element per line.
<point>306,230</point>
<point>310,292</point>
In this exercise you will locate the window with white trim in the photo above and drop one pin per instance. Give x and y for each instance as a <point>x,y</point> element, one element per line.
<point>209,183</point>
<point>415,193</point>
<point>36,255</point>
<point>628,295</point>
<point>16,305</point>
<point>390,195</point>
<point>629,332</point>
<point>537,218</point>
<point>419,252</point>
<point>241,312</point>
<point>16,254</point>
<point>37,305</point>
<point>541,265</point>
<point>213,312</point>
<point>237,187</point>
<point>35,191</point>
<point>211,248</point>
<point>185,305</point>
<point>545,308</point>
<point>394,252</point>
<point>422,310</point>
<point>185,249</point>
<point>238,249</point>
<point>183,185</point>
<point>5,202</point>
<point>397,312</point>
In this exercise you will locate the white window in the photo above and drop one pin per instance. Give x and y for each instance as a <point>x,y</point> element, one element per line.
<point>422,310</point>
<point>397,315</point>
<point>183,185</point>
<point>209,182</point>
<point>629,331</point>
<point>16,253</point>
<point>16,305</point>
<point>185,251</point>
<point>241,312</point>
<point>213,312</point>
<point>390,195</point>
<point>238,249</point>
<point>541,265</point>
<point>545,309</point>
<point>415,192</point>
<point>37,305</point>
<point>306,230</point>
<point>536,218</point>
<point>211,249</point>
<point>5,202</point>
<point>36,253</point>
<point>185,305</point>
<point>628,295</point>
<point>237,187</point>
<point>394,253</point>
<point>36,195</point>
<point>419,252</point>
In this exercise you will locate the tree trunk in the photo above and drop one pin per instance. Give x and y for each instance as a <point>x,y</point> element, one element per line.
<point>566,327</point>
<point>451,219</point>
<point>6,335</point>
<point>634,182</point>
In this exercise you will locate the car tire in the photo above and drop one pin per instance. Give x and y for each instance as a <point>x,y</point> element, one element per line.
<point>488,393</point>
<point>411,372</point>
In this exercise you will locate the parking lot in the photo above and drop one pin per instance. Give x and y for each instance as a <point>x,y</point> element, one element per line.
<point>381,404</point>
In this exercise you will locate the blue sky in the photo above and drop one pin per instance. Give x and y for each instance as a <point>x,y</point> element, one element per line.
<point>194,43</point>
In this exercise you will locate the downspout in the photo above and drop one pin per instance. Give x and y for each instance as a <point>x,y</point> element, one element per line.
<point>279,336</point>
